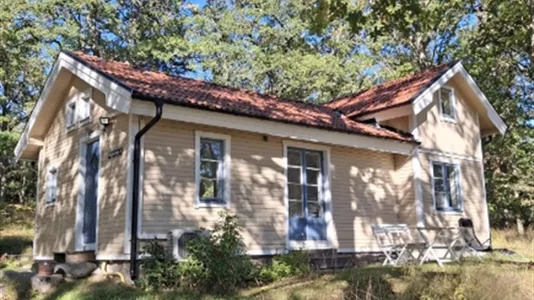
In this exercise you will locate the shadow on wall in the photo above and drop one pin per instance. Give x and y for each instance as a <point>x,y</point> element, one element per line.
<point>257,191</point>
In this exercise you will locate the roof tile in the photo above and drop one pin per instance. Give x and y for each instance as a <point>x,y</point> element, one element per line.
<point>146,85</point>
<point>390,94</point>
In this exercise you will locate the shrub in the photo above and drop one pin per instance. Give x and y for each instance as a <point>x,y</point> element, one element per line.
<point>159,270</point>
<point>285,265</point>
<point>217,261</point>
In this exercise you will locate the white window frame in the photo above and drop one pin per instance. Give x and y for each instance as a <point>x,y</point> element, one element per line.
<point>327,198</point>
<point>86,99</point>
<point>452,101</point>
<point>458,178</point>
<point>49,171</point>
<point>226,169</point>
<point>71,125</point>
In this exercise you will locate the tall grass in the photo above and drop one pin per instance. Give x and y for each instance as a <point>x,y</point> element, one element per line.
<point>513,240</point>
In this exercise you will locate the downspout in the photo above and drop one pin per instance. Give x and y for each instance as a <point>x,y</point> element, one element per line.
<point>134,266</point>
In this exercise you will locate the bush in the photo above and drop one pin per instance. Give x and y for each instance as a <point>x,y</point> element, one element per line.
<point>285,265</point>
<point>217,260</point>
<point>159,270</point>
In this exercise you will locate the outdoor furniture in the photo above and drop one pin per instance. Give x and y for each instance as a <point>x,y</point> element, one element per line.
<point>396,242</point>
<point>447,237</point>
<point>474,245</point>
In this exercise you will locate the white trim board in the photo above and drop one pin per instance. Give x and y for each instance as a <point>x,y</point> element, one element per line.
<point>426,98</point>
<point>117,97</point>
<point>449,155</point>
<point>290,131</point>
<point>132,130</point>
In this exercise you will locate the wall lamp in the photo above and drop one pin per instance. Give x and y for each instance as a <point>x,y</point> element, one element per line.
<point>105,122</point>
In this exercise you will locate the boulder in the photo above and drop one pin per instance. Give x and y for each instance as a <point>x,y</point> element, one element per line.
<point>45,284</point>
<point>76,271</point>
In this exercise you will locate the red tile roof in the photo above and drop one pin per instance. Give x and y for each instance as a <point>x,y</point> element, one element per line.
<point>390,94</point>
<point>149,85</point>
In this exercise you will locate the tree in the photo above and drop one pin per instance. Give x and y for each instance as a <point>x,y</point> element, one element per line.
<point>495,40</point>
<point>21,71</point>
<point>267,46</point>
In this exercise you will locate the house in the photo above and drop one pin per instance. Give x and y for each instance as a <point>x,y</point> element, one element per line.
<point>124,152</point>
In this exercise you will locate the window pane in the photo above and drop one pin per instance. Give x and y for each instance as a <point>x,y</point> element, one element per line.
<point>313,159</point>
<point>312,176</point>
<point>313,193</point>
<point>84,109</point>
<point>441,200</point>
<point>293,175</point>
<point>208,188</point>
<point>453,187</point>
<point>294,191</point>
<point>438,171</point>
<point>314,209</point>
<point>209,169</point>
<point>446,107</point>
<point>293,157</point>
<point>211,149</point>
<point>438,185</point>
<point>295,209</point>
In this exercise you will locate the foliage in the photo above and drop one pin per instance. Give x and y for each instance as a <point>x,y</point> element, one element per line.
<point>291,49</point>
<point>159,269</point>
<point>217,260</point>
<point>286,265</point>
<point>495,41</point>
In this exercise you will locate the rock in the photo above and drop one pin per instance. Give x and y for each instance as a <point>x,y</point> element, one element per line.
<point>44,284</point>
<point>76,271</point>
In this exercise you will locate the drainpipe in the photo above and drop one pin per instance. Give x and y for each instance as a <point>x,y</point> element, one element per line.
<point>134,266</point>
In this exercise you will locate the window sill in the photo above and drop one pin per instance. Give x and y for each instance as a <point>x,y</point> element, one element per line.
<point>448,212</point>
<point>71,127</point>
<point>211,205</point>
<point>85,121</point>
<point>449,120</point>
<point>50,204</point>
<point>308,245</point>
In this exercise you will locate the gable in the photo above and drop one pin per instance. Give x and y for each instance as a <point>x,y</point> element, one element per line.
<point>460,134</point>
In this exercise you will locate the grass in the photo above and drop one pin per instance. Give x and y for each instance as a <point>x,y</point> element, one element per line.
<point>16,229</point>
<point>470,280</point>
<point>511,239</point>
<point>491,279</point>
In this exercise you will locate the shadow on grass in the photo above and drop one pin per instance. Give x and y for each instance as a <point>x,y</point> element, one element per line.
<point>17,282</point>
<point>14,244</point>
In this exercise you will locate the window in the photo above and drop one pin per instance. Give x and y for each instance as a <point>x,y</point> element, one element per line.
<point>304,182</point>
<point>446,186</point>
<point>85,107</point>
<point>212,169</point>
<point>446,100</point>
<point>51,186</point>
<point>71,114</point>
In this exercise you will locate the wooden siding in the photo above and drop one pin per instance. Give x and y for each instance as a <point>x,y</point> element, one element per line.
<point>55,224</point>
<point>461,137</point>
<point>363,188</point>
